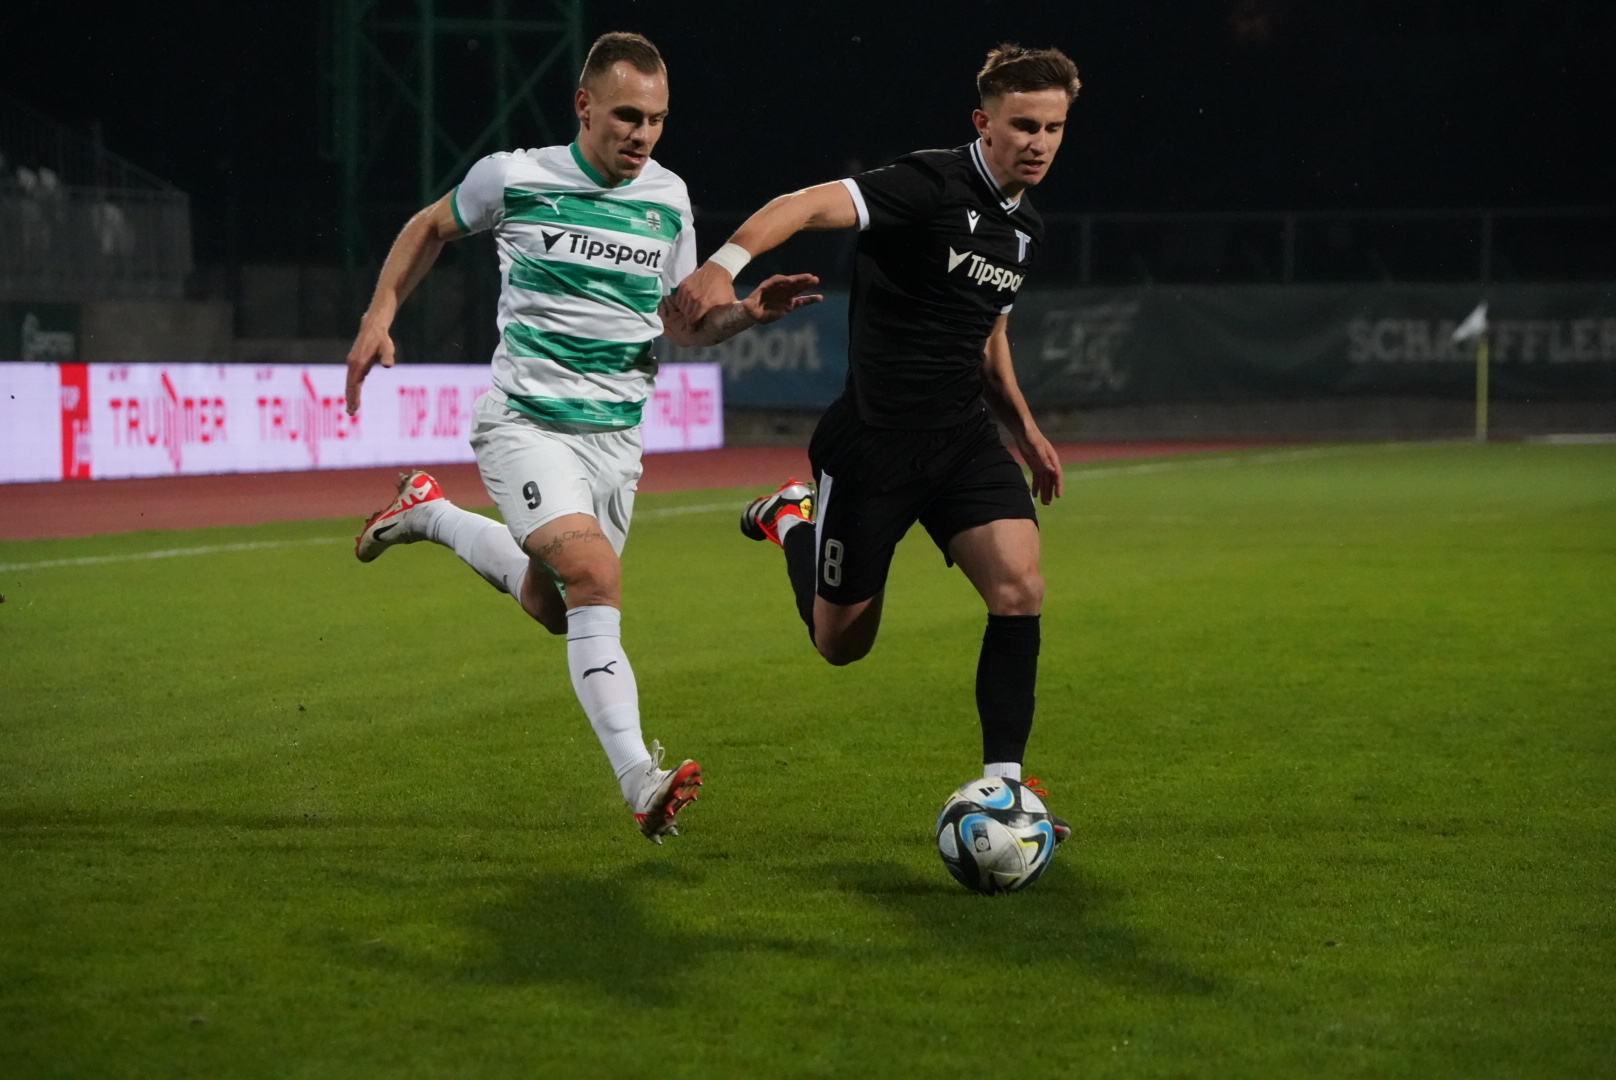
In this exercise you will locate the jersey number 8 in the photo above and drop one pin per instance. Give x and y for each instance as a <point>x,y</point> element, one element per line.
<point>833,562</point>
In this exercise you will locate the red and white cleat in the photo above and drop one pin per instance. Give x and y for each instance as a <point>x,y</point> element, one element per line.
<point>396,523</point>
<point>663,793</point>
<point>760,520</point>
<point>1062,829</point>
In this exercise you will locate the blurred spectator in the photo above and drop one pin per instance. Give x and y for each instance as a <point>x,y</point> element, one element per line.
<point>113,234</point>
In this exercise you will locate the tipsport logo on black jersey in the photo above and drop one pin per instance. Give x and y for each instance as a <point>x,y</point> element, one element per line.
<point>983,272</point>
<point>590,249</point>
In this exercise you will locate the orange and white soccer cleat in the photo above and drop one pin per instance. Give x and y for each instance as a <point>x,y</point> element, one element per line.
<point>663,793</point>
<point>760,520</point>
<point>397,523</point>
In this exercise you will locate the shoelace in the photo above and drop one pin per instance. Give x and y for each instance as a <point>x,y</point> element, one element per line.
<point>657,754</point>
<point>1031,784</point>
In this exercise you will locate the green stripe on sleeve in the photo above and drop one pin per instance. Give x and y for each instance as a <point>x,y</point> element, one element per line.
<point>587,356</point>
<point>638,292</point>
<point>595,209</point>
<point>601,414</point>
<point>454,208</point>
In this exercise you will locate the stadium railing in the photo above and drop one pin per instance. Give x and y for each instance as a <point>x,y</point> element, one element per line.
<point>1277,247</point>
<point>78,222</point>
<point>72,243</point>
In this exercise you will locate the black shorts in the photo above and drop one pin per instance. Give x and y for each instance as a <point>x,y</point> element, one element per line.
<point>876,482</point>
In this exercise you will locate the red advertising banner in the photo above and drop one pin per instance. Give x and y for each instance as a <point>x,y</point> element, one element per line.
<point>75,405</point>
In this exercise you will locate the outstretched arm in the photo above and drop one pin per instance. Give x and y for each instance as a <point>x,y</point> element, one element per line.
<point>1004,398</point>
<point>412,255</point>
<point>825,206</point>
<point>774,299</point>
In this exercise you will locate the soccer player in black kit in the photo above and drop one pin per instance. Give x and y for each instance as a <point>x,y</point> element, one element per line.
<point>947,238</point>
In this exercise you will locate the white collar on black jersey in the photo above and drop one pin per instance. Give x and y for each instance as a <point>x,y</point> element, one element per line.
<point>1007,205</point>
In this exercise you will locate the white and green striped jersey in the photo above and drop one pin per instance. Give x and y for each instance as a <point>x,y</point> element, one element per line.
<point>582,269</point>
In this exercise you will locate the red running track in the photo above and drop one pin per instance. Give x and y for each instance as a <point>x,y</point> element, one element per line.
<point>97,507</point>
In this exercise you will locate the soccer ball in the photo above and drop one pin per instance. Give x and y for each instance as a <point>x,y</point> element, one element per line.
<point>995,835</point>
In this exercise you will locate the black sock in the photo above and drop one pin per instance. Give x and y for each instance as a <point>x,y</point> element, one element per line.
<point>799,548</point>
<point>1006,675</point>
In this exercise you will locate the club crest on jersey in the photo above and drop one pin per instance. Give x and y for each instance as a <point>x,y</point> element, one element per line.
<point>653,220</point>
<point>971,218</point>
<point>984,272</point>
<point>1023,240</point>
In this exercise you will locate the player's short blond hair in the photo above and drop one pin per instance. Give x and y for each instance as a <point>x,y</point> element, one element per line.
<point>1012,69</point>
<point>635,50</point>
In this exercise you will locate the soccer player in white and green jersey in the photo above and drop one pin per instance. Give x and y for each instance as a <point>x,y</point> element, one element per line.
<point>592,239</point>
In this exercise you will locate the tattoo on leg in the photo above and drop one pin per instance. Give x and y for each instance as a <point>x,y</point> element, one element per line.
<point>548,552</point>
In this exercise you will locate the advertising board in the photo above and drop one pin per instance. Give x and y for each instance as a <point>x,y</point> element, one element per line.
<point>104,421</point>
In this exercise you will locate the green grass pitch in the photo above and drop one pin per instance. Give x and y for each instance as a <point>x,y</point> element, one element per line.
<point>1336,730</point>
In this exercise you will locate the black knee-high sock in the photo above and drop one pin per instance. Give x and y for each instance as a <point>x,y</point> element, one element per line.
<point>799,548</point>
<point>1006,675</point>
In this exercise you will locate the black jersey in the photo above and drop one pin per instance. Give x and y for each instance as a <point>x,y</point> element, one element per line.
<point>941,256</point>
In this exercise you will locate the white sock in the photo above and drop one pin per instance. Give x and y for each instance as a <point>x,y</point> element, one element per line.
<point>1012,769</point>
<point>786,524</point>
<point>482,543</point>
<point>604,683</point>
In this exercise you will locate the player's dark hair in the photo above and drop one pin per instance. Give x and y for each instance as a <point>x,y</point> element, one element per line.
<point>632,49</point>
<point>1012,69</point>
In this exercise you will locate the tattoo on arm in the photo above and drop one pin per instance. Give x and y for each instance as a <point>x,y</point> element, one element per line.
<point>724,323</point>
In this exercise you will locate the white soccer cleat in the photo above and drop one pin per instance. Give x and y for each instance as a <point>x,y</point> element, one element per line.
<point>397,523</point>
<point>663,793</point>
<point>761,518</point>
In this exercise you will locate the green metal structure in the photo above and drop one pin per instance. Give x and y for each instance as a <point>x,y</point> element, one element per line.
<point>506,68</point>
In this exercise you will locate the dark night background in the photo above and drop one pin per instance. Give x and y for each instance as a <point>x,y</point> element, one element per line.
<point>1187,105</point>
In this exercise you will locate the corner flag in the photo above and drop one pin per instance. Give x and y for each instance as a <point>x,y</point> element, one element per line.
<point>1474,328</point>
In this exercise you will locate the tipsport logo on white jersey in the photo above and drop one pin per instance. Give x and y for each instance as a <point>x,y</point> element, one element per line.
<point>592,249</point>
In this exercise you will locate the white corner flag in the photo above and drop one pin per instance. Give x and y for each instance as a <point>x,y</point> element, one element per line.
<point>1474,326</point>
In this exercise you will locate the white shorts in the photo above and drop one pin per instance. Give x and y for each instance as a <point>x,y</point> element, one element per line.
<point>538,473</point>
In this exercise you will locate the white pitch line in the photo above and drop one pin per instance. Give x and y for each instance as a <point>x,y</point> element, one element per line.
<point>679,511</point>
<point>173,553</point>
<point>264,545</point>
<point>1272,458</point>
